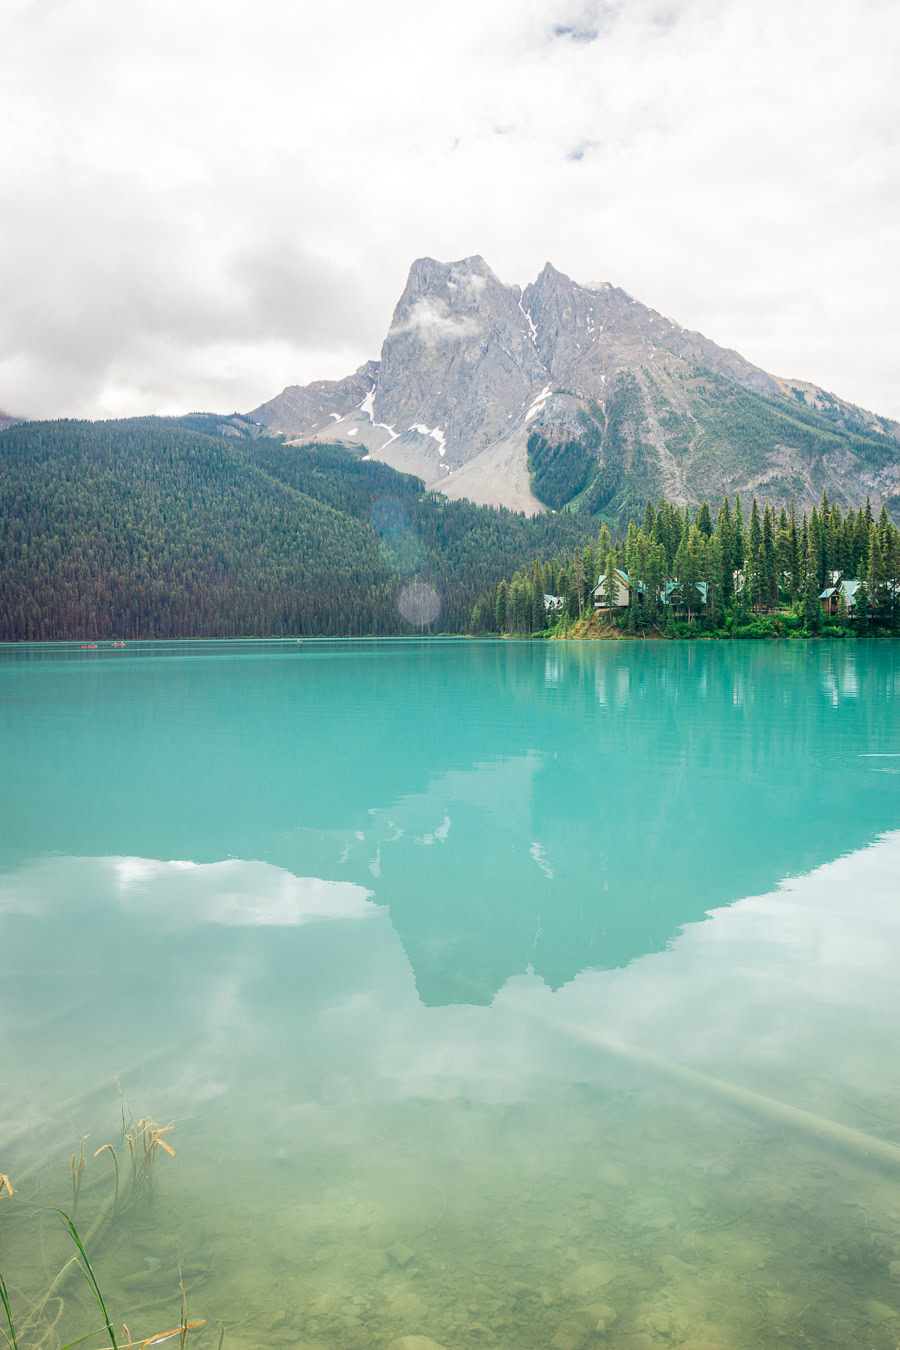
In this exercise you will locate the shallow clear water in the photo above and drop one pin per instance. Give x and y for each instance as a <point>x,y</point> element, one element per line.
<point>413,942</point>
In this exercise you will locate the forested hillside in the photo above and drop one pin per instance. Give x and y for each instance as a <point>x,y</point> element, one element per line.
<point>151,528</point>
<point>718,436</point>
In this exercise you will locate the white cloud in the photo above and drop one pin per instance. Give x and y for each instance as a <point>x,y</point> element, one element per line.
<point>434,323</point>
<point>204,202</point>
<point>233,892</point>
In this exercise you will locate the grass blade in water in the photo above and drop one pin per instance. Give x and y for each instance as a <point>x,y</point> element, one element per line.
<point>89,1274</point>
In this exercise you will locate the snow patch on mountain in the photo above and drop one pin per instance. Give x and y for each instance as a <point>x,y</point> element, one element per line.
<point>532,330</point>
<point>538,403</point>
<point>435,433</point>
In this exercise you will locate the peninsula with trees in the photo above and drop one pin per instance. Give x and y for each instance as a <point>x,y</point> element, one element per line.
<point>683,573</point>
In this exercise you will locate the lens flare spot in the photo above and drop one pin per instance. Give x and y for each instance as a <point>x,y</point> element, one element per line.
<point>419,603</point>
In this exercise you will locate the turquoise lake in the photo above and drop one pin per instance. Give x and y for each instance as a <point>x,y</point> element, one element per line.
<point>413,943</point>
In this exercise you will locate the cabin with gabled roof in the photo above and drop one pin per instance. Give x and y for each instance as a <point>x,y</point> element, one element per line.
<point>623,591</point>
<point>831,596</point>
<point>673,593</point>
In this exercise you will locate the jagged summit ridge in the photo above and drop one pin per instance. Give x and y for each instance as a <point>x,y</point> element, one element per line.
<point>516,398</point>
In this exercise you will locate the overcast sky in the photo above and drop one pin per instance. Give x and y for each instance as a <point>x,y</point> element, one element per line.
<point>205,200</point>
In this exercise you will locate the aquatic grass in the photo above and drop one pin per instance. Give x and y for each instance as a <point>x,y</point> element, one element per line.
<point>183,1308</point>
<point>116,1165</point>
<point>88,1272</point>
<point>10,1337</point>
<point>77,1167</point>
<point>144,1140</point>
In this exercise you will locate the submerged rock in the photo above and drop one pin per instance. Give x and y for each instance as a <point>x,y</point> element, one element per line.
<point>673,1265</point>
<point>583,1281</point>
<point>601,1314</point>
<point>401,1254</point>
<point>323,1303</point>
<point>573,1332</point>
<point>407,1307</point>
<point>879,1313</point>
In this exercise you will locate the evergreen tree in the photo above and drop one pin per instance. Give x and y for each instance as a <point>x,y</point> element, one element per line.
<point>726,532</point>
<point>611,585</point>
<point>796,559</point>
<point>861,607</point>
<point>690,566</point>
<point>812,608</point>
<point>876,574</point>
<point>769,587</point>
<point>578,581</point>
<point>753,566</point>
<point>569,591</point>
<point>860,547</point>
<point>656,577</point>
<point>739,542</point>
<point>539,617</point>
<point>590,574</point>
<point>501,606</point>
<point>714,577</point>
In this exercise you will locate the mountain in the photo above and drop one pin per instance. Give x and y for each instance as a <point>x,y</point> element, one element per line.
<point>581,397</point>
<point>200,527</point>
<point>7,420</point>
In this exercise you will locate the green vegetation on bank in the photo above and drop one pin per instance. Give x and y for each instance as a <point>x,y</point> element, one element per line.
<point>191,527</point>
<point>198,527</point>
<point>682,573</point>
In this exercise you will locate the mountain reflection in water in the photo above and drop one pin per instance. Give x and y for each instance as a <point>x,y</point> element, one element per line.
<point>349,909</point>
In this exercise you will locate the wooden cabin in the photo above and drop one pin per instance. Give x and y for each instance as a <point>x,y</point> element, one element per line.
<point>831,596</point>
<point>672,594</point>
<point>623,591</point>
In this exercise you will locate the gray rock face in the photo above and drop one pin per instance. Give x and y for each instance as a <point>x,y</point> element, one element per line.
<point>585,335</point>
<point>302,408</point>
<point>458,359</point>
<point>471,367</point>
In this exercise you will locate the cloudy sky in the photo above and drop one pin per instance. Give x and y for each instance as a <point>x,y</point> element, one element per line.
<point>205,200</point>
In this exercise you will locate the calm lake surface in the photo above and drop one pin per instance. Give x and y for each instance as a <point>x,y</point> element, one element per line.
<point>413,942</point>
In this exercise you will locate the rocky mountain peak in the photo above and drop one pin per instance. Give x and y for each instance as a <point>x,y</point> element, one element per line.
<point>458,357</point>
<point>439,299</point>
<point>566,394</point>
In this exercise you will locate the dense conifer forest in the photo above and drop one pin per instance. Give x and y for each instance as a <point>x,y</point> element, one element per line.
<point>200,527</point>
<point>152,527</point>
<point>683,573</point>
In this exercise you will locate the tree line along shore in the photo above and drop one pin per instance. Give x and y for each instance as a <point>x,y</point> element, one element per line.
<point>684,573</point>
<point>157,528</point>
